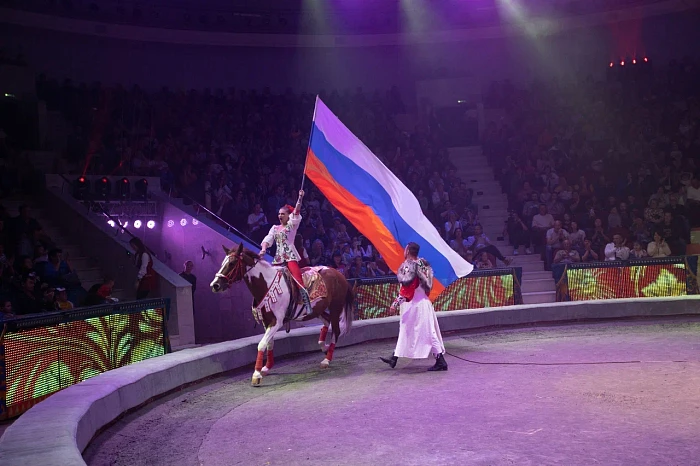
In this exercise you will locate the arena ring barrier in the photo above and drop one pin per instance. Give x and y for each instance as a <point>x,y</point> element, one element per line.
<point>57,430</point>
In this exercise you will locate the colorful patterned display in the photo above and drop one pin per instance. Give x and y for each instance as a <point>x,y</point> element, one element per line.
<point>675,276</point>
<point>42,360</point>
<point>488,288</point>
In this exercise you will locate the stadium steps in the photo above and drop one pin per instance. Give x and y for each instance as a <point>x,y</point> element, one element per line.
<point>472,167</point>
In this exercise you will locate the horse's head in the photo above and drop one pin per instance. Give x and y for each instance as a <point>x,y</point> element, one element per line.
<point>234,267</point>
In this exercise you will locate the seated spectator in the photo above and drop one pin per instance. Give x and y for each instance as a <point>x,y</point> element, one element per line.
<point>658,247</point>
<point>653,215</point>
<point>692,201</point>
<point>451,225</point>
<point>480,243</point>
<point>459,244</point>
<point>598,236</point>
<point>660,197</point>
<point>317,256</point>
<point>639,231</point>
<point>469,221</point>
<point>517,233</point>
<point>673,232</point>
<point>588,255</point>
<point>257,220</point>
<point>638,252</point>
<point>358,269</point>
<point>483,262</point>
<point>373,270</point>
<point>617,250</point>
<point>48,298</point>
<point>338,264</point>
<point>57,271</point>
<point>541,223</point>
<point>366,249</point>
<point>576,236</point>
<point>614,219</point>
<point>105,290</point>
<point>26,301</point>
<point>6,309</point>
<point>555,240</point>
<point>566,255</point>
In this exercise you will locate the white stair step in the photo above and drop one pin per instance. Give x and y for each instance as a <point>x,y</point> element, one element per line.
<point>529,286</point>
<point>90,275</point>
<point>529,266</point>
<point>526,258</point>
<point>79,263</point>
<point>537,297</point>
<point>537,275</point>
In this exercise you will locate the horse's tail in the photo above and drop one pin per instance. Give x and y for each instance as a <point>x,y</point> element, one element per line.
<point>348,314</point>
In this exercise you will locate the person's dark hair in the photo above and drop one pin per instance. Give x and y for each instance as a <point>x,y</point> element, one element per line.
<point>138,244</point>
<point>413,248</point>
<point>54,252</point>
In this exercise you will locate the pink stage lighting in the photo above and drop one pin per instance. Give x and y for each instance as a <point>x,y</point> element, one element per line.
<point>151,224</point>
<point>195,221</point>
<point>137,223</point>
<point>171,223</point>
<point>111,223</point>
<point>183,222</point>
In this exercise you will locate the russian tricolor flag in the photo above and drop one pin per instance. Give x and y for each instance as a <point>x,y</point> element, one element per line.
<point>373,199</point>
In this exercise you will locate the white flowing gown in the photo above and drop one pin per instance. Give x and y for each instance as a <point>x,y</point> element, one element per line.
<point>419,331</point>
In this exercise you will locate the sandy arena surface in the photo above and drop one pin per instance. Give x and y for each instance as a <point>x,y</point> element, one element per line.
<point>576,395</point>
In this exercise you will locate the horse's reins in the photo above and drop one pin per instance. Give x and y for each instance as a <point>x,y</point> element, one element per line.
<point>239,266</point>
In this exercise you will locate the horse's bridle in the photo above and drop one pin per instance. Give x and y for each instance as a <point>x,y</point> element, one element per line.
<point>239,267</point>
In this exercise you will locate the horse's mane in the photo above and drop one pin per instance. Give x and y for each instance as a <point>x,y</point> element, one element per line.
<point>254,257</point>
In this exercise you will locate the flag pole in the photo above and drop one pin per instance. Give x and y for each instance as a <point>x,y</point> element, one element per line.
<point>308,148</point>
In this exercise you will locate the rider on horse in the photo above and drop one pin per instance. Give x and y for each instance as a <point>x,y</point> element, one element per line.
<point>283,236</point>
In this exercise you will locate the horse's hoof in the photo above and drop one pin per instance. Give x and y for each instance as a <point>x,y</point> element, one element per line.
<point>325,364</point>
<point>255,381</point>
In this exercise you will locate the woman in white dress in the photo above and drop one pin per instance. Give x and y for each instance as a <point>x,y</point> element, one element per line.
<point>283,235</point>
<point>419,331</point>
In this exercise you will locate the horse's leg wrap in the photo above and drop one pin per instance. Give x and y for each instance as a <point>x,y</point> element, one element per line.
<point>329,354</point>
<point>323,335</point>
<point>259,361</point>
<point>270,359</point>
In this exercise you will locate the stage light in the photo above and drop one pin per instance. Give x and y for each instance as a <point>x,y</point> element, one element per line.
<point>151,224</point>
<point>111,223</point>
<point>183,222</point>
<point>195,221</point>
<point>125,224</point>
<point>171,223</point>
<point>141,188</point>
<point>81,188</point>
<point>124,188</point>
<point>612,64</point>
<point>137,223</point>
<point>646,59</point>
<point>622,63</point>
<point>634,61</point>
<point>103,188</point>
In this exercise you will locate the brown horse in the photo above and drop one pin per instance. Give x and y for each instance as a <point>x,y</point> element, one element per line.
<point>275,298</point>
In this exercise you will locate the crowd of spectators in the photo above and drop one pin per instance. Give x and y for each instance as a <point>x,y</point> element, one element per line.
<point>601,170</point>
<point>34,276</point>
<point>241,155</point>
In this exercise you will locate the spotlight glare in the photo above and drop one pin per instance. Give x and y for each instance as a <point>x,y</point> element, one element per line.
<point>622,63</point>
<point>111,223</point>
<point>137,223</point>
<point>151,224</point>
<point>195,221</point>
<point>171,223</point>
<point>646,59</point>
<point>125,224</point>
<point>183,222</point>
<point>612,64</point>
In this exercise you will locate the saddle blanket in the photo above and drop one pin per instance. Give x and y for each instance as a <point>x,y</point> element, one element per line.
<point>313,282</point>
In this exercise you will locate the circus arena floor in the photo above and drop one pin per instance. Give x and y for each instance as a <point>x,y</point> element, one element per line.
<point>621,393</point>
